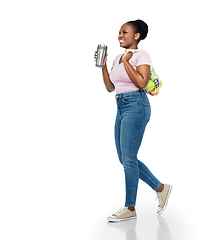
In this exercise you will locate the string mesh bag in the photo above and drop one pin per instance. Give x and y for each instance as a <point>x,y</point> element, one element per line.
<point>154,83</point>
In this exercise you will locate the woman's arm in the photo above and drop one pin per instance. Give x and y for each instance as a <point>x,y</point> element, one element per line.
<point>140,77</point>
<point>108,84</point>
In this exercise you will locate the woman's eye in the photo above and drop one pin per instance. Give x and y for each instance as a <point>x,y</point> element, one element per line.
<point>123,33</point>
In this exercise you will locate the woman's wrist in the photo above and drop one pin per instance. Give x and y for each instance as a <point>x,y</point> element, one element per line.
<point>125,61</point>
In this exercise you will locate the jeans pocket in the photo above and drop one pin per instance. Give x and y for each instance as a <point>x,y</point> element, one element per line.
<point>147,112</point>
<point>130,99</point>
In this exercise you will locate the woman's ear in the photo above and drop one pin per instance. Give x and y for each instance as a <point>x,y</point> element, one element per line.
<point>137,36</point>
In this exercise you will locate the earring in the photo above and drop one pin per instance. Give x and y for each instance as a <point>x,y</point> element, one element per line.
<point>135,38</point>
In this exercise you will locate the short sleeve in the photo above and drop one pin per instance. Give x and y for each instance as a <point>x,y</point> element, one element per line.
<point>143,58</point>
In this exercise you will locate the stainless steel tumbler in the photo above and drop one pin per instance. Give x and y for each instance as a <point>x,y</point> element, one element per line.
<point>101,51</point>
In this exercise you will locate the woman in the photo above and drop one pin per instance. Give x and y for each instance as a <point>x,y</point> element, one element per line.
<point>128,77</point>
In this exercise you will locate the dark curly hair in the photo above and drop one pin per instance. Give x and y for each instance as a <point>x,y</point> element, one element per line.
<point>140,27</point>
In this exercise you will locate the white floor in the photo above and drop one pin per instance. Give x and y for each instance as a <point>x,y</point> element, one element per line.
<point>174,223</point>
<point>55,218</point>
<point>146,226</point>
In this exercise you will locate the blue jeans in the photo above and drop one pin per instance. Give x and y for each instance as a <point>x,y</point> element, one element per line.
<point>133,114</point>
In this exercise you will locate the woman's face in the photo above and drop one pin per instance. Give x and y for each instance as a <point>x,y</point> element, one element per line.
<point>127,37</point>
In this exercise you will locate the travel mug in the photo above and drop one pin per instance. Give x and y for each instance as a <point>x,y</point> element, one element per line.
<point>101,53</point>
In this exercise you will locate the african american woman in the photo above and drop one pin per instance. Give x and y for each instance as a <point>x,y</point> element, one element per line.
<point>129,76</point>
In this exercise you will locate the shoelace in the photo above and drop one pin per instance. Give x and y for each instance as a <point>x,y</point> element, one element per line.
<point>121,211</point>
<point>159,197</point>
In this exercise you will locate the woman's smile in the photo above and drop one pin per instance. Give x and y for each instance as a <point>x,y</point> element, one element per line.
<point>121,41</point>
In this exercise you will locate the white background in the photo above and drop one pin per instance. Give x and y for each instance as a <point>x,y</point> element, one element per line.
<point>59,172</point>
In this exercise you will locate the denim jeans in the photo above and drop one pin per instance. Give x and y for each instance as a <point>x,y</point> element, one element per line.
<point>133,114</point>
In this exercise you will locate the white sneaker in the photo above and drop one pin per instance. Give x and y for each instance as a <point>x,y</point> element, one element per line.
<point>163,198</point>
<point>122,215</point>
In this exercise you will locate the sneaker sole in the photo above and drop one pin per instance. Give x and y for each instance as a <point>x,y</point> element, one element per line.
<point>166,201</point>
<point>120,219</point>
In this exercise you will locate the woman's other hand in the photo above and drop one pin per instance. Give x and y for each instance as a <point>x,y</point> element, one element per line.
<point>127,56</point>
